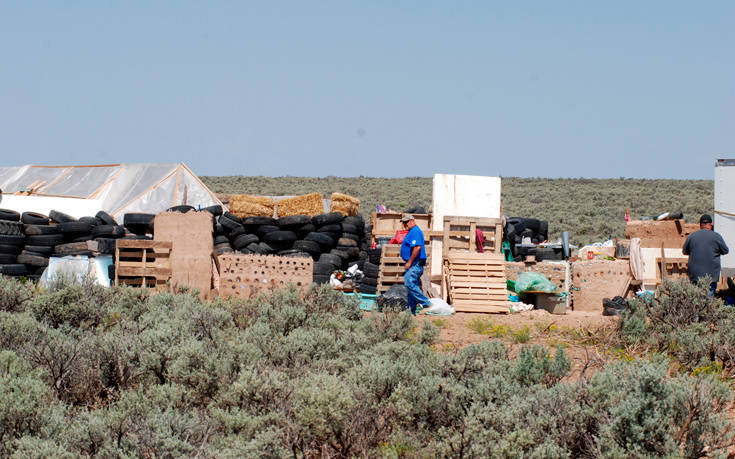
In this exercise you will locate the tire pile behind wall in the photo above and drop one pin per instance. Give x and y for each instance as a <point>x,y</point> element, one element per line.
<point>333,241</point>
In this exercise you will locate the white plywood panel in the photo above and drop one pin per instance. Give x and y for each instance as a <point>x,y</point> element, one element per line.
<point>725,202</point>
<point>462,196</point>
<point>649,260</point>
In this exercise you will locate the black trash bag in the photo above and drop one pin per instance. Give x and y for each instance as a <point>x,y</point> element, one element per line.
<point>614,307</point>
<point>395,299</point>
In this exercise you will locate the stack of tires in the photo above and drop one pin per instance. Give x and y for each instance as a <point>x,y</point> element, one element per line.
<point>369,283</point>
<point>332,240</point>
<point>12,241</point>
<point>518,228</point>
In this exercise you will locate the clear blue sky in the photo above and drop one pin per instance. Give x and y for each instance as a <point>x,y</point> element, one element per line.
<point>375,88</point>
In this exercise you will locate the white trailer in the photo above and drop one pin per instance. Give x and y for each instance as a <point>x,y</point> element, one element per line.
<point>725,210</point>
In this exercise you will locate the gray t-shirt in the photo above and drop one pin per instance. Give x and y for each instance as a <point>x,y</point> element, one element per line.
<point>704,248</point>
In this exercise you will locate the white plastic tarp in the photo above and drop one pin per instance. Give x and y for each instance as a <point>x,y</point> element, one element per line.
<point>118,188</point>
<point>724,205</point>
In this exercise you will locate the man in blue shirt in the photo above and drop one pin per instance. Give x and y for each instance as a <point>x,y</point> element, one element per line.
<point>413,252</point>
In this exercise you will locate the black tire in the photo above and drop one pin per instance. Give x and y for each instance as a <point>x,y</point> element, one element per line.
<point>75,228</point>
<point>229,224</point>
<point>33,218</point>
<point>258,221</point>
<point>305,229</point>
<point>265,229</point>
<point>61,217</point>
<point>323,269</point>
<point>215,210</point>
<point>223,245</point>
<point>138,218</point>
<point>352,252</point>
<point>320,279</point>
<point>91,220</point>
<point>8,258</point>
<point>41,249</point>
<point>369,281</point>
<point>106,245</point>
<point>358,222</point>
<point>280,236</point>
<point>32,260</point>
<point>370,269</point>
<point>334,260</point>
<point>9,215</point>
<point>12,249</point>
<point>237,232</point>
<point>218,229</point>
<point>257,249</point>
<point>12,239</point>
<point>346,242</point>
<point>184,208</point>
<point>244,240</point>
<point>108,231</point>
<point>223,250</point>
<point>269,248</point>
<point>327,219</point>
<point>374,256</point>
<point>139,230</point>
<point>369,289</point>
<point>14,269</point>
<point>324,241</point>
<point>294,254</point>
<point>88,237</point>
<point>352,236</point>
<point>106,218</point>
<point>45,240</point>
<point>340,253</point>
<point>293,221</point>
<point>307,246</point>
<point>347,228</point>
<point>11,228</point>
<point>333,228</point>
<point>221,239</point>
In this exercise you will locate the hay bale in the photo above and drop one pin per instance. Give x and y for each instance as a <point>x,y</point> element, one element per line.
<point>348,205</point>
<point>309,204</point>
<point>245,205</point>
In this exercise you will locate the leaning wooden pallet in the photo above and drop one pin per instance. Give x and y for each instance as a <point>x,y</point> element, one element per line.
<point>143,263</point>
<point>392,266</point>
<point>475,282</point>
<point>460,235</point>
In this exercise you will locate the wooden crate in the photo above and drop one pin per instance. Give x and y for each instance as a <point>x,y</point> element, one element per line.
<point>387,223</point>
<point>143,263</point>
<point>475,282</point>
<point>392,266</point>
<point>460,235</point>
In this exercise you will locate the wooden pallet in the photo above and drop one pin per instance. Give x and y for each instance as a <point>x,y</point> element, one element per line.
<point>475,282</point>
<point>460,234</point>
<point>392,266</point>
<point>143,263</point>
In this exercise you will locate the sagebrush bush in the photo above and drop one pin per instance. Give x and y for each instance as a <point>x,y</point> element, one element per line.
<point>125,373</point>
<point>685,322</point>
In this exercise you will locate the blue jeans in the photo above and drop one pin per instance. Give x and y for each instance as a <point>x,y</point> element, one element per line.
<point>412,281</point>
<point>712,288</point>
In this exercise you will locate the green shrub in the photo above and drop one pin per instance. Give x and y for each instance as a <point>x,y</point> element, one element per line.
<point>308,375</point>
<point>685,322</point>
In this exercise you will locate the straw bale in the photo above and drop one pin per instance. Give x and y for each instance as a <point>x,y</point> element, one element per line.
<point>309,204</point>
<point>244,205</point>
<point>348,205</point>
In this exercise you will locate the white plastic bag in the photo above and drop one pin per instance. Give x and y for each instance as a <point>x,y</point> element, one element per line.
<point>439,307</point>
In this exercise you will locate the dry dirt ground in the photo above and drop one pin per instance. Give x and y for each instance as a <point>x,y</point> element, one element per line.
<point>582,335</point>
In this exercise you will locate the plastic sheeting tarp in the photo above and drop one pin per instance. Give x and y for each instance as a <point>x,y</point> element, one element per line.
<point>119,188</point>
<point>77,269</point>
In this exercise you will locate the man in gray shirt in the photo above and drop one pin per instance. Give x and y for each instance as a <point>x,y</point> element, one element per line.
<point>704,248</point>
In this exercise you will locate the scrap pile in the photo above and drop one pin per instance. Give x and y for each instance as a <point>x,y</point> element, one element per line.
<point>332,240</point>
